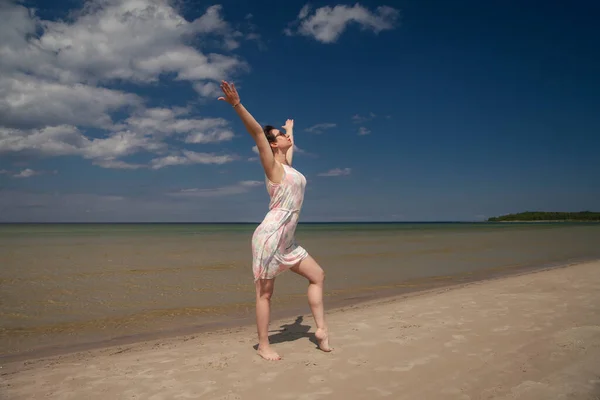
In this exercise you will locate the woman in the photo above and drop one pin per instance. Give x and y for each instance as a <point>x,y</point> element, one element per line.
<point>274,248</point>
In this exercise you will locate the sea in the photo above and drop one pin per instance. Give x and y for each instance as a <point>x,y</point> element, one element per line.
<point>68,287</point>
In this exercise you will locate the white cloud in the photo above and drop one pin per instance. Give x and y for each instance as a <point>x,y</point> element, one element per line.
<point>359,119</point>
<point>336,172</point>
<point>304,11</point>
<point>30,102</point>
<point>164,122</point>
<point>208,89</point>
<point>112,39</point>
<point>327,24</point>
<point>111,162</point>
<point>238,188</point>
<point>299,150</point>
<point>26,173</point>
<point>68,140</point>
<point>50,141</point>
<point>319,128</point>
<point>363,131</point>
<point>211,137</point>
<point>56,80</point>
<point>187,157</point>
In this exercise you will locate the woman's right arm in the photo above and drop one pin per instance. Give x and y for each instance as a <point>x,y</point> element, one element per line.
<point>272,169</point>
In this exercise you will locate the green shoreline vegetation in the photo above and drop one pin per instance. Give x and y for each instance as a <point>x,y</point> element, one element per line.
<point>538,216</point>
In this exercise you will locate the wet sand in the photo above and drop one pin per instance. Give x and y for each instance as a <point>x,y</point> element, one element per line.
<point>531,336</point>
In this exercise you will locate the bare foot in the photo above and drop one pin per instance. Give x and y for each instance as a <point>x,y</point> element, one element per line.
<point>323,339</point>
<point>268,354</point>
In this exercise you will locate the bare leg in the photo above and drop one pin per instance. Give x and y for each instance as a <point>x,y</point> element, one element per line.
<point>312,271</point>
<point>264,291</point>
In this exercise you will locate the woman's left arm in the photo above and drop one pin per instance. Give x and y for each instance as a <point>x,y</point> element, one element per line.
<point>289,131</point>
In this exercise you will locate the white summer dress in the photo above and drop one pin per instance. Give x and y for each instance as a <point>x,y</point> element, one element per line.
<point>274,247</point>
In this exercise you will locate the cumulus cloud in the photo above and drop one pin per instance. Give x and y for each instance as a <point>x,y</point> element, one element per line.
<point>238,188</point>
<point>66,140</point>
<point>162,122</point>
<point>187,157</point>
<point>319,128</point>
<point>327,24</point>
<point>58,80</point>
<point>336,172</point>
<point>114,39</point>
<point>30,102</point>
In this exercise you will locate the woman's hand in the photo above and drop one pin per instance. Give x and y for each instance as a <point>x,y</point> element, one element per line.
<point>289,124</point>
<point>231,95</point>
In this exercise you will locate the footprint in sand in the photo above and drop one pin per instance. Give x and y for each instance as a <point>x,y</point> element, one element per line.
<point>316,379</point>
<point>501,328</point>
<point>410,365</point>
<point>402,339</point>
<point>577,338</point>
<point>218,361</point>
<point>357,361</point>
<point>268,376</point>
<point>455,340</point>
<point>362,325</point>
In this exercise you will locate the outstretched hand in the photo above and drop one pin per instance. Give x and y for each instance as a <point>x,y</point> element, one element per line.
<point>289,124</point>
<point>231,95</point>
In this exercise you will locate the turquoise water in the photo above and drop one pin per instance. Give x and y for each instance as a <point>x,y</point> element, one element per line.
<point>64,284</point>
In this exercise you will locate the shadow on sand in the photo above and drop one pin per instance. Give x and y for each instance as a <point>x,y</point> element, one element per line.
<point>291,332</point>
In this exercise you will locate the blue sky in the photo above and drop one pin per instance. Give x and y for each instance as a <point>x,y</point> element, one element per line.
<point>404,110</point>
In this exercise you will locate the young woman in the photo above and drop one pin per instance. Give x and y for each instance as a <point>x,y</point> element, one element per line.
<point>274,248</point>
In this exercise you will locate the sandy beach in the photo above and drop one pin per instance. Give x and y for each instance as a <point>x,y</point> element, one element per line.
<point>531,336</point>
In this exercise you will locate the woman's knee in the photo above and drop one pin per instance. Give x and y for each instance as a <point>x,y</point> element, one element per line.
<point>264,290</point>
<point>265,296</point>
<point>319,276</point>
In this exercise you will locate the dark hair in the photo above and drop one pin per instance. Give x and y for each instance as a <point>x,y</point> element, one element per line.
<point>267,130</point>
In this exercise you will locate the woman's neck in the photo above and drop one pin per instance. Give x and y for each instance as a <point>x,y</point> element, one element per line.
<point>279,156</point>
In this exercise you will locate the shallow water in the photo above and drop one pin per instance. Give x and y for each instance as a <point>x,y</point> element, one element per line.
<point>67,284</point>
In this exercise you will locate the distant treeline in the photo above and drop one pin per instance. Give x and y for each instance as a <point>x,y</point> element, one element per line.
<point>548,216</point>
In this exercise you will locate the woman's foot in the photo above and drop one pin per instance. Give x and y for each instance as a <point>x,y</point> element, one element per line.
<point>268,353</point>
<point>323,339</point>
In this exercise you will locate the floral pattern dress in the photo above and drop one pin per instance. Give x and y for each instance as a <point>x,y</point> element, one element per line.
<point>274,247</point>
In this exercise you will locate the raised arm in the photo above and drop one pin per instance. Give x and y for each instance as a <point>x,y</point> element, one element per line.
<point>273,169</point>
<point>289,131</point>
